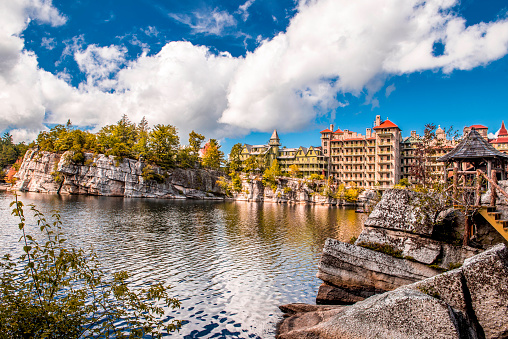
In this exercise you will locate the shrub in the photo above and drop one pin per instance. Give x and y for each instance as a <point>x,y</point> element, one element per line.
<point>150,174</point>
<point>57,291</point>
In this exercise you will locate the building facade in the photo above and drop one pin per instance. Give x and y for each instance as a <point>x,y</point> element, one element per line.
<point>309,160</point>
<point>370,160</point>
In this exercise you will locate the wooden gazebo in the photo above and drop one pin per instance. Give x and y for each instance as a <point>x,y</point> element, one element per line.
<point>474,159</point>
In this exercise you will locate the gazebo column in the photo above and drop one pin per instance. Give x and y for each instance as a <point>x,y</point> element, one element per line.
<point>455,181</point>
<point>489,171</point>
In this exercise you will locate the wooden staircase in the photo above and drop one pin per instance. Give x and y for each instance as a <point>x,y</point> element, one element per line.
<point>494,218</point>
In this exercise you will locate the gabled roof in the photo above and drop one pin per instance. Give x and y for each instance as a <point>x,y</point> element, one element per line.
<point>473,146</point>
<point>338,131</point>
<point>502,131</point>
<point>326,131</point>
<point>386,124</point>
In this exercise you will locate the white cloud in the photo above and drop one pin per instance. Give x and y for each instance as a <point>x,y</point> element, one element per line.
<point>330,48</point>
<point>244,9</point>
<point>389,90</point>
<point>358,42</point>
<point>151,31</point>
<point>207,22</point>
<point>48,43</point>
<point>99,63</point>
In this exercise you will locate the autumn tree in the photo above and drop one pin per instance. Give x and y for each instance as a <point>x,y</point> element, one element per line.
<point>294,171</point>
<point>270,175</point>
<point>213,157</point>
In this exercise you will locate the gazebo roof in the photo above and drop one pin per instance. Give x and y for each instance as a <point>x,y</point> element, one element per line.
<point>474,146</point>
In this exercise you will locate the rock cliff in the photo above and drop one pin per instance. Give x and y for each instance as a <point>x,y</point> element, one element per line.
<point>103,175</point>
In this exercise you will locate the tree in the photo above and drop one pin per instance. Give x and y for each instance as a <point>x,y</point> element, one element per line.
<point>235,164</point>
<point>56,291</point>
<point>271,174</point>
<point>213,157</point>
<point>294,171</point>
<point>195,141</point>
<point>141,145</point>
<point>163,143</point>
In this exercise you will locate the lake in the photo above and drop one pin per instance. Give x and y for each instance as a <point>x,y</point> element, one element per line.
<point>231,264</point>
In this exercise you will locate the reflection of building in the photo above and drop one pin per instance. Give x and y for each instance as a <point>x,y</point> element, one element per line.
<point>309,160</point>
<point>367,160</point>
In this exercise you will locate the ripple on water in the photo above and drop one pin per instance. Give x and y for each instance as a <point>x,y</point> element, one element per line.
<point>231,264</point>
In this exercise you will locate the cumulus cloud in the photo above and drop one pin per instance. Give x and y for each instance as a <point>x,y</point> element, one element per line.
<point>330,48</point>
<point>207,22</point>
<point>357,43</point>
<point>99,63</point>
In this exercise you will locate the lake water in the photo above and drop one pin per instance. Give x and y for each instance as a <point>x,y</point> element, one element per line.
<point>231,264</point>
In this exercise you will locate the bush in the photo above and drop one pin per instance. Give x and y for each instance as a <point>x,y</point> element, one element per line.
<point>56,291</point>
<point>149,173</point>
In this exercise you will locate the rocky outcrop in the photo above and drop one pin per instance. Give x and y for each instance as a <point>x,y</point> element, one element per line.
<point>405,239</point>
<point>468,302</point>
<point>358,272</point>
<point>104,175</point>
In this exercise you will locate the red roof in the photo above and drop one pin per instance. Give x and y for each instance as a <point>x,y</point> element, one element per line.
<point>338,131</point>
<point>502,131</point>
<point>326,131</point>
<point>386,124</point>
<point>500,140</point>
<point>478,126</point>
<point>371,138</point>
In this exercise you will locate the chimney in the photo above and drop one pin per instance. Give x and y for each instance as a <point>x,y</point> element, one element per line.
<point>331,127</point>
<point>378,120</point>
<point>368,132</point>
<point>413,134</point>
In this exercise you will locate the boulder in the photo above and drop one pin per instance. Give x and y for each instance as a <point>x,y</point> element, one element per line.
<point>402,313</point>
<point>354,268</point>
<point>486,276</point>
<point>404,210</point>
<point>332,295</point>
<point>421,249</point>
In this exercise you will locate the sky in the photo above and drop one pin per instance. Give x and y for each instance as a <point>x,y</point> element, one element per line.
<point>237,70</point>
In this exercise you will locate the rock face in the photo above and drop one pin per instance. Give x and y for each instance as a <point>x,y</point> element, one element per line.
<point>103,175</point>
<point>360,272</point>
<point>468,302</point>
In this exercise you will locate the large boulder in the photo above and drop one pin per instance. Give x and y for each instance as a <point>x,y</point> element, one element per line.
<point>402,313</point>
<point>407,211</point>
<point>355,268</point>
<point>486,276</point>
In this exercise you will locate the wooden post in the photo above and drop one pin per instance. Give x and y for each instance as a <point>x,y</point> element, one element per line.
<point>455,179</point>
<point>478,187</point>
<point>489,171</point>
<point>467,231</point>
<point>493,194</point>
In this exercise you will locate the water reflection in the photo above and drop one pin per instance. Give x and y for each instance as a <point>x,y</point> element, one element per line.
<point>231,264</point>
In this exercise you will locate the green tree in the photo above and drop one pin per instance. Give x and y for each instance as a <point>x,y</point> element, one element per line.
<point>235,164</point>
<point>163,143</point>
<point>195,141</point>
<point>119,139</point>
<point>141,145</point>
<point>56,291</point>
<point>213,157</point>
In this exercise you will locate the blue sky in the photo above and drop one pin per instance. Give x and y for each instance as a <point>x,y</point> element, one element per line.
<point>235,70</point>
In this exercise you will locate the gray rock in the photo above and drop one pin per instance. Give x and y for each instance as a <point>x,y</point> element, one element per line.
<point>486,277</point>
<point>402,313</point>
<point>332,295</point>
<point>404,210</point>
<point>423,250</point>
<point>354,268</point>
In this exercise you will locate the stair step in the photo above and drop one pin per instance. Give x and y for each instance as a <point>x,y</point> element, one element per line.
<point>496,215</point>
<point>504,222</point>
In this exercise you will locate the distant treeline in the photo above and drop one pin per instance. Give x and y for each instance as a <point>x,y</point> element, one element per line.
<point>159,145</point>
